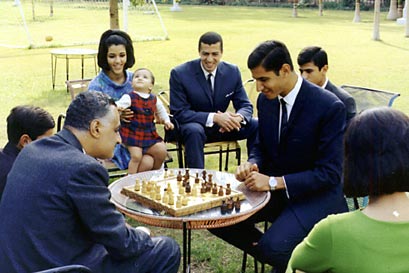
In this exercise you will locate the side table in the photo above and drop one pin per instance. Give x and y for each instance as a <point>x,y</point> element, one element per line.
<point>68,54</point>
<point>211,218</point>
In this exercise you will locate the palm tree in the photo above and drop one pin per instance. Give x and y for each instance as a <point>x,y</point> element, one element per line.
<point>393,10</point>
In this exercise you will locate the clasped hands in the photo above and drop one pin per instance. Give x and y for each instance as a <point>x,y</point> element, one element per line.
<point>248,173</point>
<point>227,121</point>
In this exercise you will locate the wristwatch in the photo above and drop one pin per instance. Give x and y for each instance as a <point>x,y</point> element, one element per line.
<point>272,183</point>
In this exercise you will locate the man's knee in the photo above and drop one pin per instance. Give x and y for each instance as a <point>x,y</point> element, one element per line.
<point>192,131</point>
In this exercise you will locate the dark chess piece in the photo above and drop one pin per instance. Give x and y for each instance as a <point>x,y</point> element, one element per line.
<point>204,173</point>
<point>214,189</point>
<point>228,189</point>
<point>223,208</point>
<point>179,176</point>
<point>188,188</point>
<point>221,192</point>
<point>197,180</point>
<point>230,204</point>
<point>237,205</point>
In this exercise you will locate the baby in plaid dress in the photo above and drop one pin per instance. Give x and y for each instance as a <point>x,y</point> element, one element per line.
<point>146,147</point>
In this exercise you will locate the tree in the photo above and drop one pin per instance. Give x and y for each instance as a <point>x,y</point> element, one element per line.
<point>376,19</point>
<point>393,10</point>
<point>357,13</point>
<point>113,14</point>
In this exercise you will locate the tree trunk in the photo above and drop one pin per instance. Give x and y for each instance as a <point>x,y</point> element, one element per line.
<point>376,19</point>
<point>320,7</point>
<point>393,10</point>
<point>295,6</point>
<point>113,14</point>
<point>406,16</point>
<point>357,14</point>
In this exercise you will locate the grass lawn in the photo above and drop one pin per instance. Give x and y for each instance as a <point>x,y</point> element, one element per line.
<point>354,58</point>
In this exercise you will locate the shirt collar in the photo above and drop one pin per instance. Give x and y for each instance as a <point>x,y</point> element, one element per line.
<point>292,95</point>
<point>325,83</point>
<point>207,73</point>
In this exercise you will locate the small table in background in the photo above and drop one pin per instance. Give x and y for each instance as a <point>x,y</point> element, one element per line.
<point>68,54</point>
<point>211,218</point>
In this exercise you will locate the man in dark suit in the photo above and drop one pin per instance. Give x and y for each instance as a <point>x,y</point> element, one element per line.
<point>298,158</point>
<point>313,63</point>
<point>56,207</point>
<point>25,123</point>
<point>200,93</point>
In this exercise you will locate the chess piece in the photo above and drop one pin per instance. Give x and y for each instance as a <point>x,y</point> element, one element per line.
<point>221,192</point>
<point>237,205</point>
<point>228,189</point>
<point>203,189</point>
<point>165,175</point>
<point>181,190</point>
<point>188,189</point>
<point>223,208</point>
<point>165,199</point>
<point>230,204</point>
<point>137,186</point>
<point>214,189</point>
<point>179,202</point>
<point>197,181</point>
<point>171,200</point>
<point>194,190</point>
<point>179,176</point>
<point>210,177</point>
<point>185,201</point>
<point>204,175</point>
<point>158,196</point>
<point>187,174</point>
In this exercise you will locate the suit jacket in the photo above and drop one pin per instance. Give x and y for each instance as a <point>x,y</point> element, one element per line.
<point>309,155</point>
<point>191,99</point>
<point>346,98</point>
<point>56,211</point>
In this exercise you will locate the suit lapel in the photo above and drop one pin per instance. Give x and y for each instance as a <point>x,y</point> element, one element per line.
<point>200,78</point>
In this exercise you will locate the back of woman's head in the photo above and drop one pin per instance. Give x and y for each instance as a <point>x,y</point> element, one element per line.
<point>376,158</point>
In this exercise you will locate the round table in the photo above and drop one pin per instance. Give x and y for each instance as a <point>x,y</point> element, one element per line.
<point>71,53</point>
<point>211,218</point>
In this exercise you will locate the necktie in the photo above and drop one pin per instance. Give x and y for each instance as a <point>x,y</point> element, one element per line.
<point>284,118</point>
<point>209,81</point>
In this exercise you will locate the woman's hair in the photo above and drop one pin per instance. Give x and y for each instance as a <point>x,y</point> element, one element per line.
<point>376,158</point>
<point>115,37</point>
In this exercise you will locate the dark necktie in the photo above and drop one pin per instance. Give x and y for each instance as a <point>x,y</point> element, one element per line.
<point>209,81</point>
<point>284,118</point>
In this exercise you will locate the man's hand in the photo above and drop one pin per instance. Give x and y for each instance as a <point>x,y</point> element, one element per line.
<point>256,181</point>
<point>125,114</point>
<point>227,121</point>
<point>244,170</point>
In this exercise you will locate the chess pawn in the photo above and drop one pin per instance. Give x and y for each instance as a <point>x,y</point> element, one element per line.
<point>187,174</point>
<point>179,202</point>
<point>214,189</point>
<point>165,199</point>
<point>185,201</point>
<point>230,204</point>
<point>185,181</point>
<point>137,186</point>
<point>188,189</point>
<point>203,189</point>
<point>228,189</point>
<point>223,208</point>
<point>194,190</point>
<point>221,192</point>
<point>171,200</point>
<point>181,190</point>
<point>158,196</point>
<point>179,176</point>
<point>204,175</point>
<point>237,205</point>
<point>208,187</point>
<point>149,186</point>
<point>210,177</point>
<point>169,189</point>
<point>144,187</point>
<point>197,180</point>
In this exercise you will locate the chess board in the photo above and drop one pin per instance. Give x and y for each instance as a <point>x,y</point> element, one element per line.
<point>183,193</point>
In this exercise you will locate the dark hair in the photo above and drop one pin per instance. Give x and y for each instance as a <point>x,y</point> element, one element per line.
<point>376,158</point>
<point>115,37</point>
<point>150,72</point>
<point>86,107</point>
<point>27,119</point>
<point>271,55</point>
<point>210,38</point>
<point>314,54</point>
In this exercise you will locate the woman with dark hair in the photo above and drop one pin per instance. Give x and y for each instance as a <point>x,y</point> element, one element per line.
<point>115,56</point>
<point>376,238</point>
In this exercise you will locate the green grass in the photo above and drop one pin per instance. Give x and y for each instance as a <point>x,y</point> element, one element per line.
<point>354,58</point>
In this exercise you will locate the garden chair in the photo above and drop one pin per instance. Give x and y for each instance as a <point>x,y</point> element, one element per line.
<point>220,147</point>
<point>77,86</point>
<point>366,98</point>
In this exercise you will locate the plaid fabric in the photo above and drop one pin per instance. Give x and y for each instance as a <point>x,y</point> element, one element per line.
<point>141,131</point>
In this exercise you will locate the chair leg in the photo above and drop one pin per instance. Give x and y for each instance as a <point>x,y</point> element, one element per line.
<point>244,262</point>
<point>220,159</point>
<point>226,166</point>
